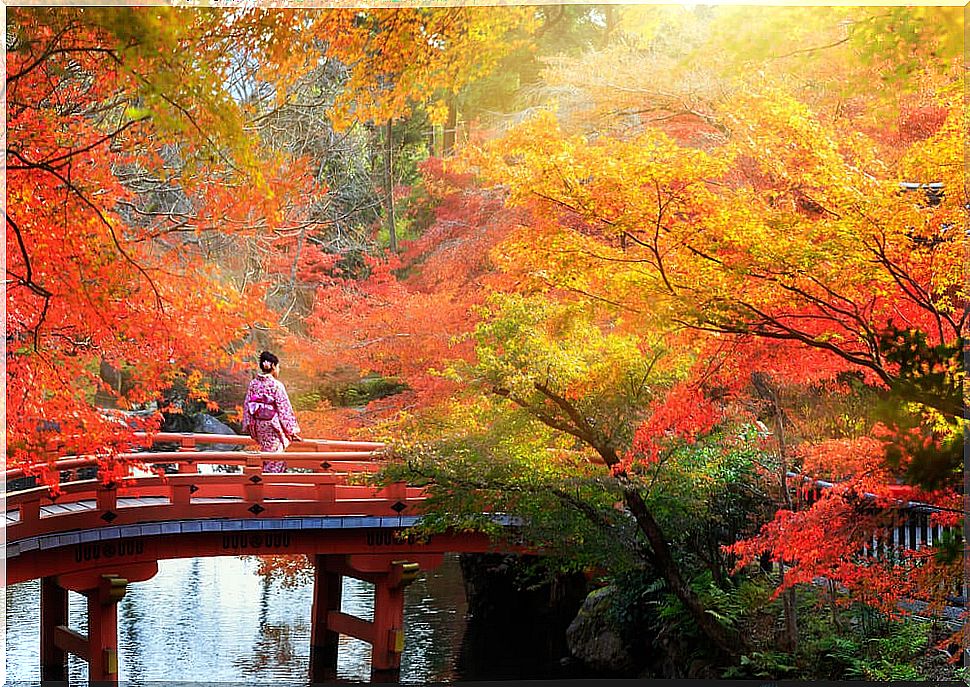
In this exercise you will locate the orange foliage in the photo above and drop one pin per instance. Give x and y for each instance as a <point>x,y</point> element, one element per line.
<point>104,224</point>
<point>406,318</point>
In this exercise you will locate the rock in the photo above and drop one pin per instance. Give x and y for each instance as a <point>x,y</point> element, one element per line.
<point>594,640</point>
<point>206,424</point>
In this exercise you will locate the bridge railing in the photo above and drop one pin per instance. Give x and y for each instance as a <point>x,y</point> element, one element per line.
<point>189,461</point>
<point>300,454</point>
<point>323,485</point>
<point>189,441</point>
<point>908,526</point>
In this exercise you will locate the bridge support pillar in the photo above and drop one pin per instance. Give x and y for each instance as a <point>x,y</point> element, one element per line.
<point>323,640</point>
<point>388,624</point>
<point>99,648</point>
<point>390,575</point>
<point>53,613</point>
<point>103,628</point>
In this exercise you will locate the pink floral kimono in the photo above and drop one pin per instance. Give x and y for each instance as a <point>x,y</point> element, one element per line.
<point>267,397</point>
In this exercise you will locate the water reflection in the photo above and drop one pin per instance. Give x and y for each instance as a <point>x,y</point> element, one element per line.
<point>216,618</point>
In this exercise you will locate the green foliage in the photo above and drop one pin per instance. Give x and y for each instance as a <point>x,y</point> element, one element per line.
<point>644,610</point>
<point>514,465</point>
<point>854,643</point>
<point>929,375</point>
<point>891,657</point>
<point>924,406</point>
<point>891,37</point>
<point>764,664</point>
<point>531,348</point>
<point>349,394</point>
<point>633,608</point>
<point>728,605</point>
<point>366,390</point>
<point>308,400</point>
<point>706,495</point>
<point>949,547</point>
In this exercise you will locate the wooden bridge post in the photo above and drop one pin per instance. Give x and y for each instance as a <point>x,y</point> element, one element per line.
<point>388,642</point>
<point>103,628</point>
<point>327,586</point>
<point>253,490</point>
<point>107,497</point>
<point>385,633</point>
<point>100,646</point>
<point>187,445</point>
<point>53,612</point>
<point>388,627</point>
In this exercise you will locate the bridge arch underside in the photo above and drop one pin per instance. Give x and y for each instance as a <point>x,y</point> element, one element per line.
<point>371,542</point>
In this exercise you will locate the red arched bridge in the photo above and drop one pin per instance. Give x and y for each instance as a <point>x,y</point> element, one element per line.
<point>95,538</point>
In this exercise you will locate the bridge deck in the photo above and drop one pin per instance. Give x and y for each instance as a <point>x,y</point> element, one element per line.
<point>198,510</point>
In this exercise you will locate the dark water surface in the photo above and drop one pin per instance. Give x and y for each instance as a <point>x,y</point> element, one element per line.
<point>216,620</point>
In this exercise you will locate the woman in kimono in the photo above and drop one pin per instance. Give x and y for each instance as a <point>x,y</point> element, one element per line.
<point>267,414</point>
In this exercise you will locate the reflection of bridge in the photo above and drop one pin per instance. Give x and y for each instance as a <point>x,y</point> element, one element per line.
<point>95,538</point>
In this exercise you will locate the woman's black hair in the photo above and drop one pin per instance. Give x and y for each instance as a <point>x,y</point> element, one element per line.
<point>267,360</point>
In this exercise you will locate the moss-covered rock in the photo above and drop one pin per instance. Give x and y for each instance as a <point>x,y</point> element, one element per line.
<point>593,638</point>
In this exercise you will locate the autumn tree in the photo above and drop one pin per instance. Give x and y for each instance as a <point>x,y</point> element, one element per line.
<point>134,182</point>
<point>125,153</point>
<point>551,399</point>
<point>758,221</point>
<point>754,209</point>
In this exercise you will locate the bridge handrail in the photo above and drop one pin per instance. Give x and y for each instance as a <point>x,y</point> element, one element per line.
<point>326,482</point>
<point>297,459</point>
<point>189,439</point>
<point>167,484</point>
<point>367,450</point>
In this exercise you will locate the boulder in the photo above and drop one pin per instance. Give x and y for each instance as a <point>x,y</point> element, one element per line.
<point>593,639</point>
<point>206,424</point>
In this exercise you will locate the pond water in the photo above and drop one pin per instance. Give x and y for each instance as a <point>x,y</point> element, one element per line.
<point>217,620</point>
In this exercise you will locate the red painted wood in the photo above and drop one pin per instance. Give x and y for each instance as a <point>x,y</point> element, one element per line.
<point>69,641</point>
<point>107,499</point>
<point>113,555</point>
<point>388,623</point>
<point>373,554</point>
<point>92,519</point>
<point>314,444</point>
<point>338,565</point>
<point>102,638</point>
<point>188,468</point>
<point>89,580</point>
<point>309,459</point>
<point>351,626</point>
<point>383,563</point>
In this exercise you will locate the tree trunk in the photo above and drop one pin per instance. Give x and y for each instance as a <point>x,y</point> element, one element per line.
<point>730,643</point>
<point>790,638</point>
<point>389,186</point>
<point>610,25</point>
<point>727,640</point>
<point>451,128</point>
<point>763,385</point>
